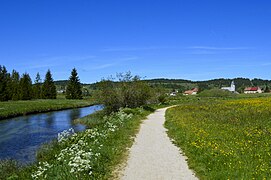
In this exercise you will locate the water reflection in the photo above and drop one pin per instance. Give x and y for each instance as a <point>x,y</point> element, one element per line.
<point>74,115</point>
<point>20,137</point>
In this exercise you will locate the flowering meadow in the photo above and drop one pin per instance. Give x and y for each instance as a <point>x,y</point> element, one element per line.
<point>224,139</point>
<point>92,154</point>
<point>84,152</point>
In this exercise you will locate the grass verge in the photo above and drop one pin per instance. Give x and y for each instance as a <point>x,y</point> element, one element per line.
<point>224,139</point>
<point>17,108</point>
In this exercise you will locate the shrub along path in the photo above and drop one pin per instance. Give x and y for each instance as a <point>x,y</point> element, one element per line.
<point>153,156</point>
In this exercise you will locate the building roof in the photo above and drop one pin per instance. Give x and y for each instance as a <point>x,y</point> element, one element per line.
<point>195,90</point>
<point>191,91</point>
<point>252,88</point>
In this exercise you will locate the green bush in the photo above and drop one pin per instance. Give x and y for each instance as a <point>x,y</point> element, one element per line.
<point>128,92</point>
<point>133,111</point>
<point>162,99</point>
<point>216,93</point>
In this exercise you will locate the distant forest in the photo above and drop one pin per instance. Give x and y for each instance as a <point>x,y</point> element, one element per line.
<point>182,84</point>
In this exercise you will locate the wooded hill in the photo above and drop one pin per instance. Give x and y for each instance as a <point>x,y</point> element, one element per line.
<point>182,84</point>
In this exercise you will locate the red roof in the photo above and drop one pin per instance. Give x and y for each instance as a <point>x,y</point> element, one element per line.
<point>188,92</point>
<point>195,90</point>
<point>191,91</point>
<point>252,88</point>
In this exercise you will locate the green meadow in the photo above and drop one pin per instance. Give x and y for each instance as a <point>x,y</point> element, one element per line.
<point>17,108</point>
<point>224,138</point>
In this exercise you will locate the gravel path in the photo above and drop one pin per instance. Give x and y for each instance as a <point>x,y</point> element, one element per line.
<point>153,156</point>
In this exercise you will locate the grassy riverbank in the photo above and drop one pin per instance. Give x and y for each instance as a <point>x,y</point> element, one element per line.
<point>224,139</point>
<point>92,154</point>
<point>17,108</point>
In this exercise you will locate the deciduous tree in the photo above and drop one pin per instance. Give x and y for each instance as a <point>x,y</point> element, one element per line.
<point>129,91</point>
<point>267,89</point>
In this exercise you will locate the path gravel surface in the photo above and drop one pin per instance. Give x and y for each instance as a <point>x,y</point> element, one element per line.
<point>153,156</point>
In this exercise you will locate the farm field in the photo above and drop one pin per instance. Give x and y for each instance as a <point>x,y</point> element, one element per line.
<point>16,108</point>
<point>224,139</point>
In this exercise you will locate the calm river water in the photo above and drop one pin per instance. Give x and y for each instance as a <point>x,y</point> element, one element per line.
<point>20,137</point>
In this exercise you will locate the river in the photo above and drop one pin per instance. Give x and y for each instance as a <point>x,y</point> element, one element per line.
<point>20,137</point>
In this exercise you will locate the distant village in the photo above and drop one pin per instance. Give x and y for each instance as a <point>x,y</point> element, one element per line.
<point>247,90</point>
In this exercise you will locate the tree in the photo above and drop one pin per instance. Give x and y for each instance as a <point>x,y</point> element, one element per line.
<point>25,87</point>
<point>48,87</point>
<point>135,92</point>
<point>14,86</point>
<point>85,92</point>
<point>129,92</point>
<point>73,90</point>
<point>203,86</point>
<point>267,89</point>
<point>37,87</point>
<point>241,89</point>
<point>216,93</point>
<point>109,94</point>
<point>4,79</point>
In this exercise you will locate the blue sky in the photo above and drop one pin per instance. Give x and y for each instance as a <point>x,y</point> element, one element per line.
<point>188,39</point>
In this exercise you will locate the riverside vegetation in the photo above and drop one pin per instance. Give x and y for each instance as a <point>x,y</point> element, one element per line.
<point>94,153</point>
<point>16,92</point>
<point>224,139</point>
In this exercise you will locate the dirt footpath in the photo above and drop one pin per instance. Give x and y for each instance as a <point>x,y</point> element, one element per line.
<point>153,156</point>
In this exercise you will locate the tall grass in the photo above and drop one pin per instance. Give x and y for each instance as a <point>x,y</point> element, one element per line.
<point>224,139</point>
<point>216,93</point>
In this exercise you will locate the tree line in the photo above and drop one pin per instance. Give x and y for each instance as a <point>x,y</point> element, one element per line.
<point>16,87</point>
<point>182,85</point>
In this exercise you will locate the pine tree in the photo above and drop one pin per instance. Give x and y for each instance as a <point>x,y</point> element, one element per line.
<point>4,79</point>
<point>25,87</point>
<point>73,90</point>
<point>48,87</point>
<point>14,86</point>
<point>37,87</point>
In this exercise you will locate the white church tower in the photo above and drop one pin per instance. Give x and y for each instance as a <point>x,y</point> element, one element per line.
<point>231,89</point>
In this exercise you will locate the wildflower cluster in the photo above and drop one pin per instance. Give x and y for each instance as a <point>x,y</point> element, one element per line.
<point>229,138</point>
<point>64,134</point>
<point>41,172</point>
<point>83,150</point>
<point>79,157</point>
